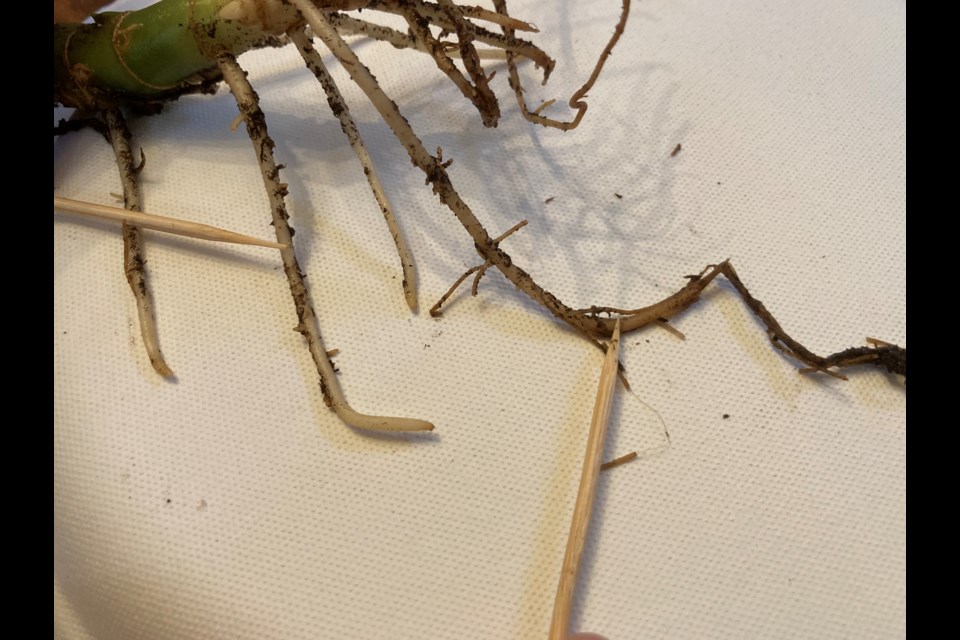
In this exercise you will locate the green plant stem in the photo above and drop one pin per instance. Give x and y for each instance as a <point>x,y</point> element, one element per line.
<point>153,52</point>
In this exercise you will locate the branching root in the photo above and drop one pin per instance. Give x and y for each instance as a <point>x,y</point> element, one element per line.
<point>479,269</point>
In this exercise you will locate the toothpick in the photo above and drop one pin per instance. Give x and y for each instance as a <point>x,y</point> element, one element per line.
<point>587,491</point>
<point>158,223</point>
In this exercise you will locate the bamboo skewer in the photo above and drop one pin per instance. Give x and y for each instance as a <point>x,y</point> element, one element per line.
<point>158,223</point>
<point>587,491</point>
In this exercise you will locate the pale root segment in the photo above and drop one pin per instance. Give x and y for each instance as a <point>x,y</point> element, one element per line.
<point>340,109</point>
<point>352,26</point>
<point>587,491</point>
<point>308,326</point>
<point>133,260</point>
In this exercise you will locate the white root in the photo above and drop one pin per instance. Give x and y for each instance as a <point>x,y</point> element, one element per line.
<point>308,326</point>
<point>339,107</point>
<point>133,260</point>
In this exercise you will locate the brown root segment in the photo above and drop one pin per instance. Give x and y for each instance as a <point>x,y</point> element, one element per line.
<point>133,260</point>
<point>576,100</point>
<point>339,107</point>
<point>435,309</point>
<point>616,462</point>
<point>880,354</point>
<point>308,327</point>
<point>351,26</point>
<point>590,325</point>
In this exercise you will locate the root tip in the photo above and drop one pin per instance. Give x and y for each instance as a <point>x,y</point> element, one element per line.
<point>162,368</point>
<point>411,299</point>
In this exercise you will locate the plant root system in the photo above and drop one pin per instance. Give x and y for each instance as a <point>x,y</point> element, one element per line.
<point>77,84</point>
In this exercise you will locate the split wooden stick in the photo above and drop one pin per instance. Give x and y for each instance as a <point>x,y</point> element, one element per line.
<point>587,492</point>
<point>158,223</point>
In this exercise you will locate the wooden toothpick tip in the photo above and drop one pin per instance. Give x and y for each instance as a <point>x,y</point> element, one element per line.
<point>587,491</point>
<point>158,223</point>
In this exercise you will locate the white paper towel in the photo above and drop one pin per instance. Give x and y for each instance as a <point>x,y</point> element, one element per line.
<point>233,504</point>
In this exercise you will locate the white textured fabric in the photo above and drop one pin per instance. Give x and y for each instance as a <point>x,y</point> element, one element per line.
<point>233,504</point>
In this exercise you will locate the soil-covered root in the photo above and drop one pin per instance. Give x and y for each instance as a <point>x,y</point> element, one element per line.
<point>307,326</point>
<point>340,109</point>
<point>133,258</point>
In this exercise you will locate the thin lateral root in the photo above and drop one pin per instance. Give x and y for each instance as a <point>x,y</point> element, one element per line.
<point>663,323</point>
<point>474,288</point>
<point>500,19</point>
<point>834,374</point>
<point>478,92</point>
<point>616,462</point>
<point>435,309</point>
<point>510,44</point>
<point>576,100</point>
<point>479,269</point>
<point>545,105</point>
